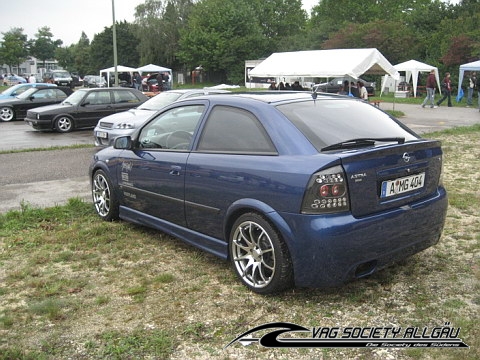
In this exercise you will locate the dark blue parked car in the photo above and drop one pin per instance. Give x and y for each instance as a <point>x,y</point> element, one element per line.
<point>294,189</point>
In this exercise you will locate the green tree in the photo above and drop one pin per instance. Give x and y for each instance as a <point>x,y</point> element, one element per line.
<point>283,24</point>
<point>14,47</point>
<point>393,39</point>
<point>158,29</point>
<point>64,56</point>
<point>43,47</point>
<point>81,56</point>
<point>101,48</point>
<point>220,35</point>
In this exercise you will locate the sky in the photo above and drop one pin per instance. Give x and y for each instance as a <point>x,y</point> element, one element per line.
<point>68,18</point>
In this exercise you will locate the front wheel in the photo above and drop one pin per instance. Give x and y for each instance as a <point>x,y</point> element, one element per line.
<point>6,113</point>
<point>103,195</point>
<point>259,255</point>
<point>64,124</point>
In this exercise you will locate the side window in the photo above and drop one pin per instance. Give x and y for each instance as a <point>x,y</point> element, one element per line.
<point>42,94</point>
<point>98,98</point>
<point>124,97</point>
<point>172,130</point>
<point>233,130</point>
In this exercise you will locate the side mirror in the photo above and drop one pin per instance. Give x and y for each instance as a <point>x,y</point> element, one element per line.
<point>123,143</point>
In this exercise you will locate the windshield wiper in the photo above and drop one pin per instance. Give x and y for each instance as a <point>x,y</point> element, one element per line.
<point>353,143</point>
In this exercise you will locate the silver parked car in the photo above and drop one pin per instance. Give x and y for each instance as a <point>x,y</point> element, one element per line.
<point>125,123</point>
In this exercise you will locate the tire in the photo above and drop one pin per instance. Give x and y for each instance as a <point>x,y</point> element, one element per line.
<point>7,113</point>
<point>103,196</point>
<point>259,256</point>
<point>64,124</point>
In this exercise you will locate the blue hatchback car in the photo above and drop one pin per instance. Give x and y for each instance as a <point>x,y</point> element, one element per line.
<point>294,189</point>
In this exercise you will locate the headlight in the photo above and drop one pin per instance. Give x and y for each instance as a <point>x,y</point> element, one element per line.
<point>125,126</point>
<point>38,116</point>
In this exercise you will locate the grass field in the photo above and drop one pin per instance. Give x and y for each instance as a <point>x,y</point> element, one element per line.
<point>75,287</point>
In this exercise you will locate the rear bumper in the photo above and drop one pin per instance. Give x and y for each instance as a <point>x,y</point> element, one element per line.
<point>334,250</point>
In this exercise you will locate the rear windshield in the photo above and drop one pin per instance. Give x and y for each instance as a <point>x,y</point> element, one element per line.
<point>327,122</point>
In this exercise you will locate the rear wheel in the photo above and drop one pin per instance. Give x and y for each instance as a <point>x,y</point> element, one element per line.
<point>259,255</point>
<point>64,124</point>
<point>103,195</point>
<point>6,113</point>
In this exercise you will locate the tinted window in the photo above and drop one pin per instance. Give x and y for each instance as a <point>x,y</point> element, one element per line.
<point>124,97</point>
<point>327,122</point>
<point>172,130</point>
<point>234,130</point>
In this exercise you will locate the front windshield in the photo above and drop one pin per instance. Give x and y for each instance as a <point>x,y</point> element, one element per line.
<point>75,98</point>
<point>10,90</point>
<point>160,101</point>
<point>61,75</point>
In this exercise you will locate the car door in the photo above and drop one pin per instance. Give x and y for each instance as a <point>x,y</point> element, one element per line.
<point>231,160</point>
<point>96,105</point>
<point>152,176</point>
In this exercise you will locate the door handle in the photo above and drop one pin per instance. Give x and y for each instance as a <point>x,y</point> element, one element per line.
<point>175,170</point>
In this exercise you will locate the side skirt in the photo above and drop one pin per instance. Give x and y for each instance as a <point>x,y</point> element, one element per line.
<point>204,242</point>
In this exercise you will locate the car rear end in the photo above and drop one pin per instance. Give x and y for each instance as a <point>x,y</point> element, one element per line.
<point>380,198</point>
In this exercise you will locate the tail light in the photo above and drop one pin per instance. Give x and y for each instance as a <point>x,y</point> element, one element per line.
<point>327,192</point>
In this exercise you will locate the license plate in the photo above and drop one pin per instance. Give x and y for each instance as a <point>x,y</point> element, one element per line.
<point>402,185</point>
<point>102,134</point>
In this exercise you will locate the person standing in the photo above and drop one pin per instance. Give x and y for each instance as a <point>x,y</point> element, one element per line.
<point>362,90</point>
<point>472,84</point>
<point>137,81</point>
<point>430,86</point>
<point>32,79</point>
<point>447,90</point>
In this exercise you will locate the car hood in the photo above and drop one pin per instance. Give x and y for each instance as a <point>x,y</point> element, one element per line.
<point>53,108</point>
<point>4,97</point>
<point>133,115</point>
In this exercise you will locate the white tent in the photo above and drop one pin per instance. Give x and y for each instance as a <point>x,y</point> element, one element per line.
<point>120,68</point>
<point>325,64</point>
<point>473,66</point>
<point>411,69</point>
<point>151,68</point>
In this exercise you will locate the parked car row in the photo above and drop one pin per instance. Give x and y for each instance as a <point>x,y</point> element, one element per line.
<point>16,107</point>
<point>84,108</point>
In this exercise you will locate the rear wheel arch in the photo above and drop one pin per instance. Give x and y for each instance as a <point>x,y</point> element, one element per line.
<point>259,254</point>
